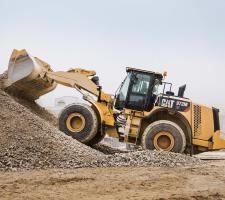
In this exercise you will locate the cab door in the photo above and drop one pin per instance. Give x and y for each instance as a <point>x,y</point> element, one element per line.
<point>140,92</point>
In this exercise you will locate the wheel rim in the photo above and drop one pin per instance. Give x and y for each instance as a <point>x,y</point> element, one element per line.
<point>75,122</point>
<point>164,141</point>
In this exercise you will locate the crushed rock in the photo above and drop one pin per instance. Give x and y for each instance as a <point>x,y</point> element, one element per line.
<point>3,76</point>
<point>37,110</point>
<point>147,158</point>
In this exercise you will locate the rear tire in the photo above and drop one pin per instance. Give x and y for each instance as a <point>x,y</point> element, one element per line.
<point>79,121</point>
<point>164,135</point>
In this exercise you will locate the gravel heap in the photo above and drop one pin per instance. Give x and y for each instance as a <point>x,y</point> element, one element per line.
<point>28,141</point>
<point>147,158</point>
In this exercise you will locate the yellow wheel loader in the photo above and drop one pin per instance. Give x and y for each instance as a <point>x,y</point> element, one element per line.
<point>138,113</point>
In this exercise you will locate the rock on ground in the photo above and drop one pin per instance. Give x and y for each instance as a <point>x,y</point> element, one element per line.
<point>147,158</point>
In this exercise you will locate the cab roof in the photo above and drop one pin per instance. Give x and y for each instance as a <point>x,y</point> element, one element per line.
<point>160,75</point>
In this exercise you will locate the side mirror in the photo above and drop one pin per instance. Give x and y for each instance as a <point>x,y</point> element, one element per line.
<point>181,91</point>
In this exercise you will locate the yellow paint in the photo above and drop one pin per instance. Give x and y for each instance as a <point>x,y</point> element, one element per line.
<point>106,113</point>
<point>112,132</point>
<point>218,142</point>
<point>202,143</point>
<point>205,129</point>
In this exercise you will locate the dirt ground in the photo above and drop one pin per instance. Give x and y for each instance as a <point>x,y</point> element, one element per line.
<point>205,182</point>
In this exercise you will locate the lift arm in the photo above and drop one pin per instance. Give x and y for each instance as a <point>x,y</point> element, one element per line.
<point>79,79</point>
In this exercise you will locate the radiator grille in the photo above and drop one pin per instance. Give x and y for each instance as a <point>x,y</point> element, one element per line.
<point>197,120</point>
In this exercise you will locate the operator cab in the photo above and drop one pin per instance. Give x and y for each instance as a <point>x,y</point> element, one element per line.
<point>139,90</point>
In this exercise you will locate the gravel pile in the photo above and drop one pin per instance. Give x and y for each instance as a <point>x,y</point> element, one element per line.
<point>28,141</point>
<point>147,158</point>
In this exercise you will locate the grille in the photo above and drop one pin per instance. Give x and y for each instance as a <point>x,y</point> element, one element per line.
<point>197,120</point>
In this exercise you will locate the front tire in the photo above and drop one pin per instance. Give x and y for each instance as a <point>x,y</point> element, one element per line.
<point>79,121</point>
<point>164,135</point>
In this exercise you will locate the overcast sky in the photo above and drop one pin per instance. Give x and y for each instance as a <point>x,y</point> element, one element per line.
<point>184,37</point>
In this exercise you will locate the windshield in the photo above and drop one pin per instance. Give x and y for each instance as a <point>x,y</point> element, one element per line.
<point>122,93</point>
<point>140,83</point>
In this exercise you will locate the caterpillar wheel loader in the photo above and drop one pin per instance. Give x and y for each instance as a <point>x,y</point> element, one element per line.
<point>138,113</point>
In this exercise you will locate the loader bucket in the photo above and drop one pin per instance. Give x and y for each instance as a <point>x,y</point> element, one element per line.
<point>26,76</point>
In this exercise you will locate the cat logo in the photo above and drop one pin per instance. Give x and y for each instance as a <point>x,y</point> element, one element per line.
<point>169,103</point>
<point>174,104</point>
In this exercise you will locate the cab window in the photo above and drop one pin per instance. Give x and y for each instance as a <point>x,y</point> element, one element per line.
<point>139,89</point>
